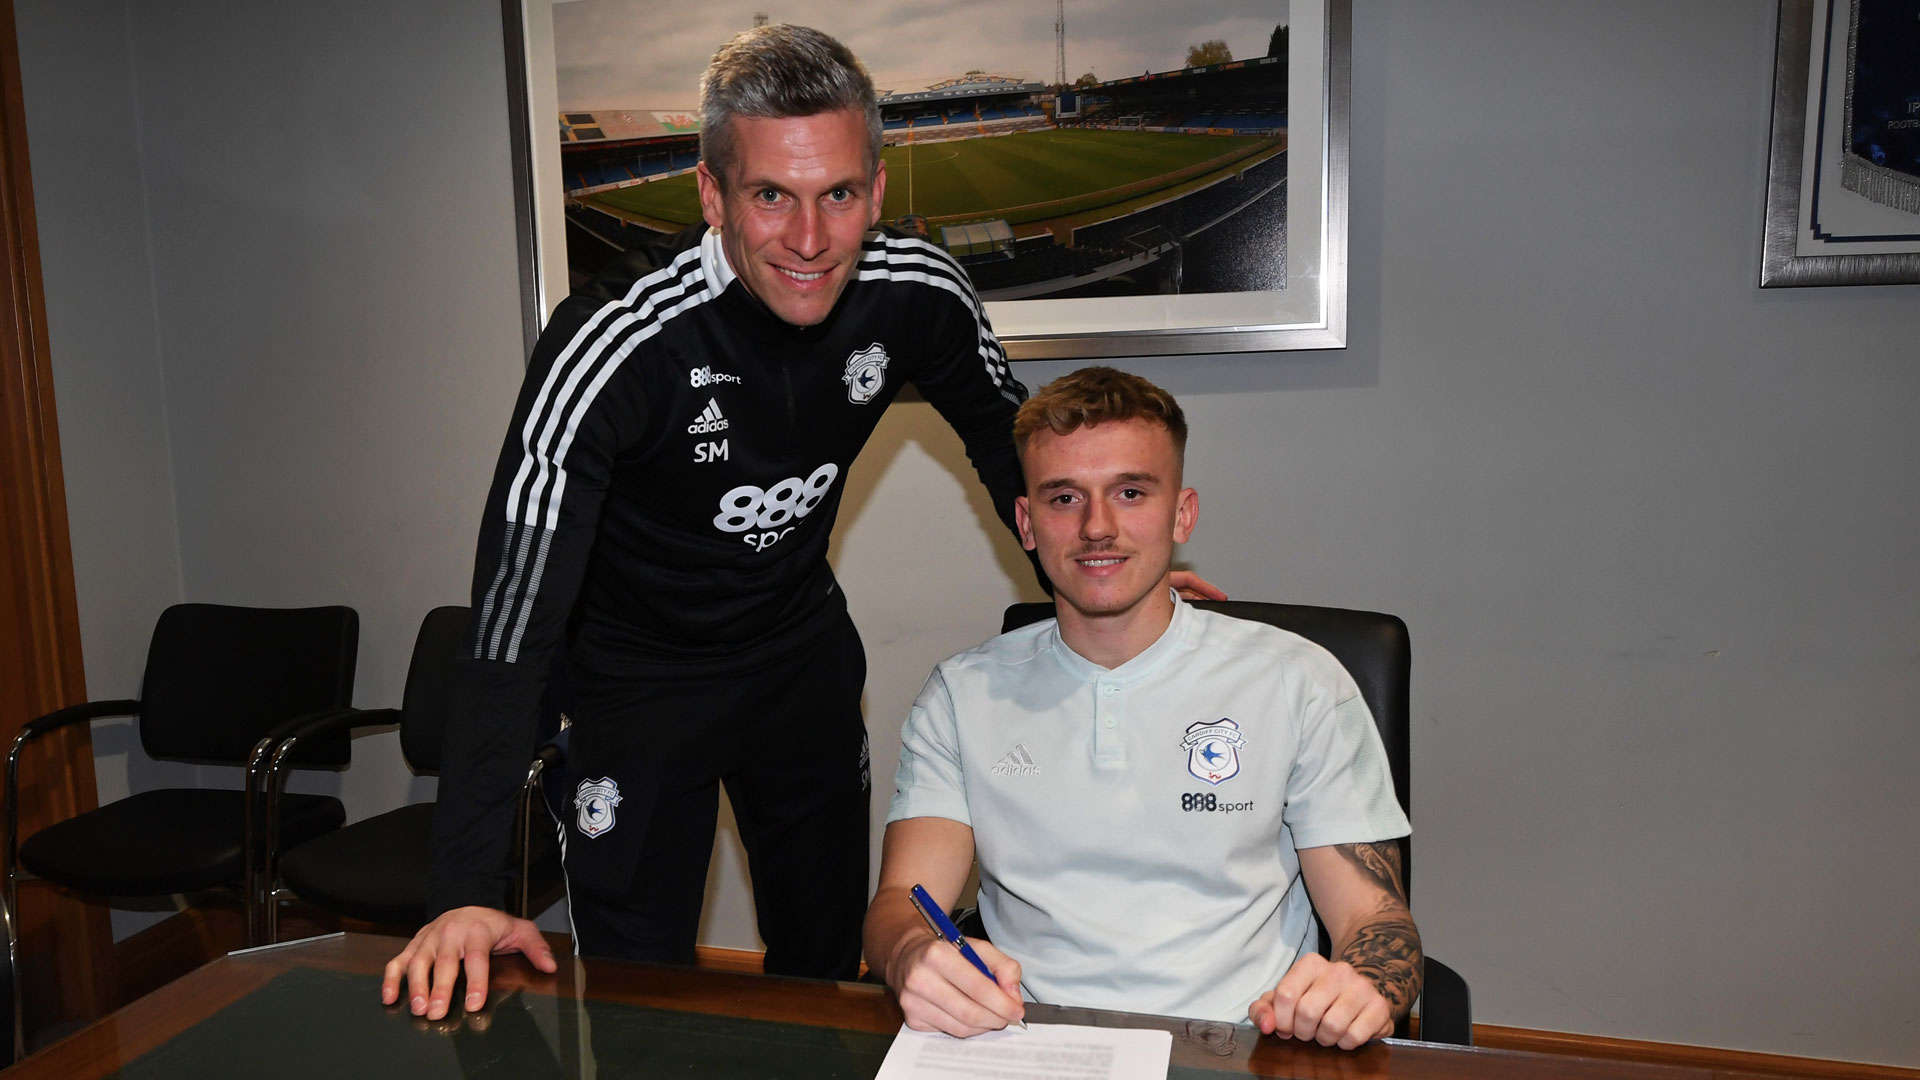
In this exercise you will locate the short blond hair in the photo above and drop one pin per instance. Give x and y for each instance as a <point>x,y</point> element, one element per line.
<point>1093,396</point>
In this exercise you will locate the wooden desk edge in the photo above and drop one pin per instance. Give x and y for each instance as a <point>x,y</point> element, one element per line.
<point>144,1025</point>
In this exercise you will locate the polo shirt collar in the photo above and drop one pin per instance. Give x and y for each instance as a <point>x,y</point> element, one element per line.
<point>713,260</point>
<point>1151,659</point>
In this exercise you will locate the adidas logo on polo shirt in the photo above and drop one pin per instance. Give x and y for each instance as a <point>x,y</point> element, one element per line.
<point>710,420</point>
<point>1017,763</point>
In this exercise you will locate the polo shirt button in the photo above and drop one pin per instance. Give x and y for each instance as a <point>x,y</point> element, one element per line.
<point>1112,690</point>
<point>1110,721</point>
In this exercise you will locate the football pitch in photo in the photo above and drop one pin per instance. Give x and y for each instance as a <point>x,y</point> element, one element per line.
<point>1023,178</point>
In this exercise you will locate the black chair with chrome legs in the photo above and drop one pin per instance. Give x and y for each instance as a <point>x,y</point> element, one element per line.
<point>376,870</point>
<point>222,686</point>
<point>1376,651</point>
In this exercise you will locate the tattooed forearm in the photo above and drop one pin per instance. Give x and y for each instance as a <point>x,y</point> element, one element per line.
<point>1387,951</point>
<point>1386,946</point>
<point>1380,863</point>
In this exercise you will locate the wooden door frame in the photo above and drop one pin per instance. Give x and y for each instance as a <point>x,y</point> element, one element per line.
<point>66,944</point>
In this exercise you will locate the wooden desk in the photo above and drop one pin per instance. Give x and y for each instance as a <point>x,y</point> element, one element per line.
<point>311,1009</point>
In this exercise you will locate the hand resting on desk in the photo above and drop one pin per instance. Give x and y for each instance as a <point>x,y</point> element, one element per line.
<point>464,938</point>
<point>1321,1001</point>
<point>1357,891</point>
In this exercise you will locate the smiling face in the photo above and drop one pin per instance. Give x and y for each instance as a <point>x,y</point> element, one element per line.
<point>1103,510</point>
<point>793,211</point>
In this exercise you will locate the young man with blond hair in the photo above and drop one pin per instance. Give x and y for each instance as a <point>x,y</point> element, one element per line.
<point>1152,790</point>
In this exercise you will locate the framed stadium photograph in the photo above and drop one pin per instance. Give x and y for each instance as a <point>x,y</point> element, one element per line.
<point>1117,177</point>
<point>1843,175</point>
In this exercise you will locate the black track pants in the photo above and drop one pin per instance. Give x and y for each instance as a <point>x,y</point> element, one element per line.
<point>644,763</point>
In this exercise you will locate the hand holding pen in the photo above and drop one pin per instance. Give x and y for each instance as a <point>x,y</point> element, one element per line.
<point>944,929</point>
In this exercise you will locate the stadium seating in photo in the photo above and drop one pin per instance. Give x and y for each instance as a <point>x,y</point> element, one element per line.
<point>1207,221</point>
<point>1240,120</point>
<point>1204,221</point>
<point>1186,217</point>
<point>605,167</point>
<point>983,114</point>
<point>1042,260</point>
<point>616,235</point>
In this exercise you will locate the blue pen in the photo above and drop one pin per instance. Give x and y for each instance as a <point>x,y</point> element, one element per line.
<point>943,927</point>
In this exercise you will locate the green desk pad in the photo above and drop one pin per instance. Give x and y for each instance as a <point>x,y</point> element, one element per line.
<point>324,1025</point>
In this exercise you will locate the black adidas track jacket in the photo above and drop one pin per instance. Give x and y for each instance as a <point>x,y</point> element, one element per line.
<point>667,488</point>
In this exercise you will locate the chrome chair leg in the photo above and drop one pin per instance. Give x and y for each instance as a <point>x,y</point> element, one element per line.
<point>10,903</point>
<point>269,865</point>
<point>16,1042</point>
<point>250,848</point>
<point>523,837</point>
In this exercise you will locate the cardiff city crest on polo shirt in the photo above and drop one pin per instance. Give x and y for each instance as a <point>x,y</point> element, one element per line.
<point>866,373</point>
<point>596,800</point>
<point>1213,749</point>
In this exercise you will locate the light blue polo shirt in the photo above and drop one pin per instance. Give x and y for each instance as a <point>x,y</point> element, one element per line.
<point>1136,827</point>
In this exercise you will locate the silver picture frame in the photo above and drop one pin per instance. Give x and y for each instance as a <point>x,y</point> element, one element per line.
<point>1794,251</point>
<point>1309,313</point>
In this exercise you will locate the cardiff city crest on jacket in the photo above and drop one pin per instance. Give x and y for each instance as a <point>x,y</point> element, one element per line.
<point>866,373</point>
<point>1213,749</point>
<point>596,800</point>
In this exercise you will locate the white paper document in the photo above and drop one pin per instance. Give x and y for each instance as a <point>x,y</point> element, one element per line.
<point>1041,1052</point>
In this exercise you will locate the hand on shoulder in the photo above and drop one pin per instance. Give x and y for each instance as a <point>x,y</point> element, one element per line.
<point>1192,586</point>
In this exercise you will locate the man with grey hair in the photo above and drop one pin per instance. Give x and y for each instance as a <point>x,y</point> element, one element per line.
<point>662,507</point>
<point>778,72</point>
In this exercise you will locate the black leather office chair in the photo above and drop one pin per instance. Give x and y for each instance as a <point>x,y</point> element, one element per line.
<point>376,869</point>
<point>221,684</point>
<point>1376,651</point>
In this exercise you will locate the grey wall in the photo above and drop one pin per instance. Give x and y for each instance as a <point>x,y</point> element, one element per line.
<point>97,268</point>
<point>1650,526</point>
<point>109,389</point>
